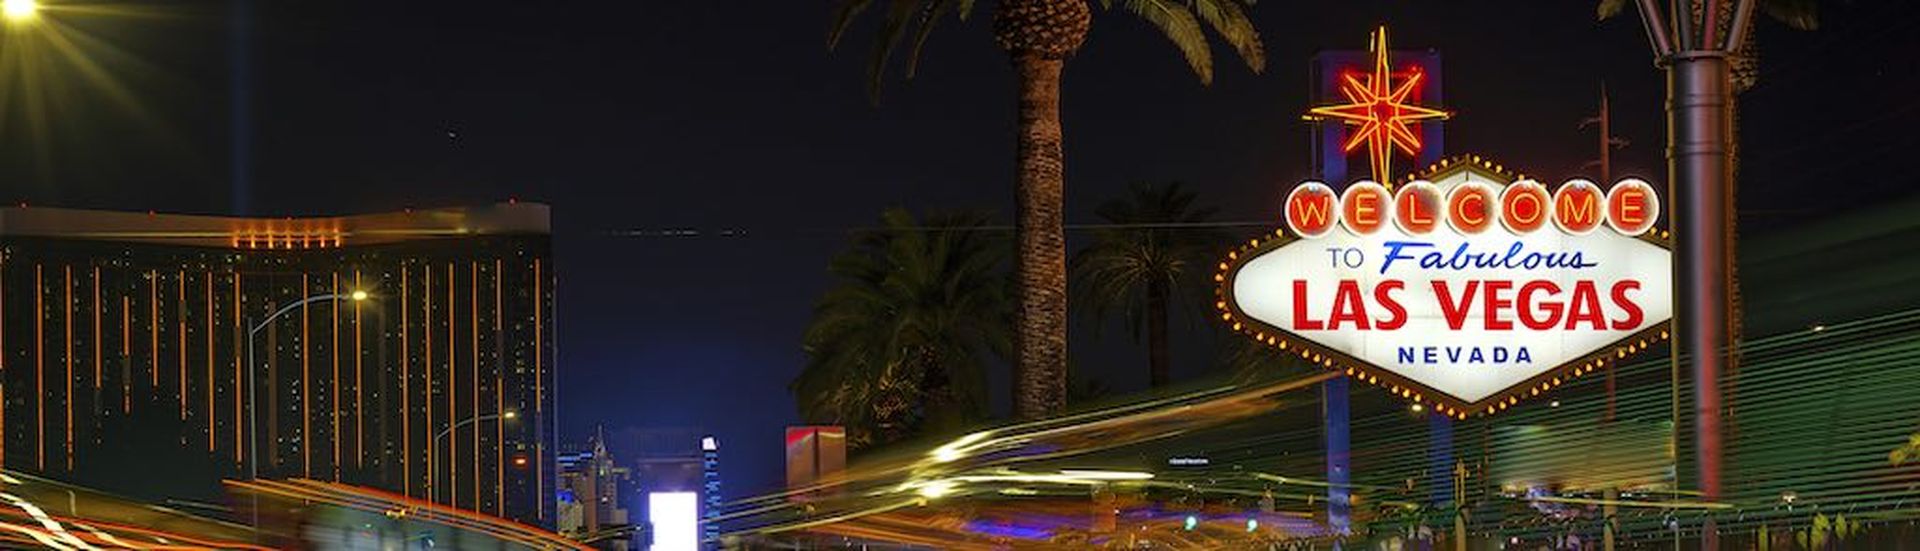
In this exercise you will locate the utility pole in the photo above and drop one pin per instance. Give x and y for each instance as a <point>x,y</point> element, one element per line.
<point>1699,139</point>
<point>1608,142</point>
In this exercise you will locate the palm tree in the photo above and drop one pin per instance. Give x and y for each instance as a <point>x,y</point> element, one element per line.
<point>1039,36</point>
<point>900,344</point>
<point>1145,262</point>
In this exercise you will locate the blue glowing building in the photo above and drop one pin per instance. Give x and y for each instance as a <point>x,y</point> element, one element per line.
<point>710,488</point>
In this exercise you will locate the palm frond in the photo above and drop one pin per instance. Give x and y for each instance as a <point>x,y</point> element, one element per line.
<point>1230,20</point>
<point>892,28</point>
<point>1179,26</point>
<point>1606,9</point>
<point>843,16</point>
<point>929,17</point>
<point>1799,14</point>
<point>911,20</point>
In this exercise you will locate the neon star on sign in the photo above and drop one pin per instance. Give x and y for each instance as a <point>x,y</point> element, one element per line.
<point>1467,289</point>
<point>1381,110</point>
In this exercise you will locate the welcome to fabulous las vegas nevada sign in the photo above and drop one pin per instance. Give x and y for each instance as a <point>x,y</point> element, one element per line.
<point>1467,287</point>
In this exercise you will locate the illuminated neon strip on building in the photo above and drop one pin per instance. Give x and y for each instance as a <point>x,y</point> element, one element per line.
<point>179,308</point>
<point>473,327</point>
<point>96,328</point>
<point>66,323</point>
<point>239,333</point>
<point>39,370</point>
<point>153,326</point>
<point>359,381</point>
<point>180,305</point>
<point>406,405</point>
<point>273,394</point>
<point>539,398</point>
<point>426,326</point>
<point>333,390</point>
<point>306,395</point>
<point>3,365</point>
<point>453,386</point>
<point>499,400</point>
<point>126,354</point>
<point>211,408</point>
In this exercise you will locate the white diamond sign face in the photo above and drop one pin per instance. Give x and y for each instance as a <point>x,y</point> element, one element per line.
<point>1467,292</point>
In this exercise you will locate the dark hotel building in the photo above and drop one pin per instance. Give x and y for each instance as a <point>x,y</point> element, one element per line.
<point>412,352</point>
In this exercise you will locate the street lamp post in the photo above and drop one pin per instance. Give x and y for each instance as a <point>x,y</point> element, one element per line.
<point>253,426</point>
<point>449,430</point>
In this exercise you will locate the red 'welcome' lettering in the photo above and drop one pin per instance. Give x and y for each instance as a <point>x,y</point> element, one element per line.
<point>1310,209</point>
<point>1576,207</point>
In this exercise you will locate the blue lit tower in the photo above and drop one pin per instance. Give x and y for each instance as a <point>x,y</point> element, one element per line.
<point>710,477</point>
<point>1329,143</point>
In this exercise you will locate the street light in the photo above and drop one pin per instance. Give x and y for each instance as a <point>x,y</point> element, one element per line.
<point>252,384</point>
<point>19,11</point>
<point>509,414</point>
<point>252,417</point>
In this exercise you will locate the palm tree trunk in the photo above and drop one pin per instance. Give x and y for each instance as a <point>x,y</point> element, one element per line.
<point>1041,267</point>
<point>1159,368</point>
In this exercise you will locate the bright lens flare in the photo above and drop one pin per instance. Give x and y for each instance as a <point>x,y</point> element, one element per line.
<point>956,449</point>
<point>19,10</point>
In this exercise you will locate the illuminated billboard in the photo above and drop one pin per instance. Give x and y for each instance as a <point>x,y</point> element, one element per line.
<point>1468,289</point>
<point>675,519</point>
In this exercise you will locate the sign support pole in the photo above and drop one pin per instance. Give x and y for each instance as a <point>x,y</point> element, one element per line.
<point>1339,491</point>
<point>1699,132</point>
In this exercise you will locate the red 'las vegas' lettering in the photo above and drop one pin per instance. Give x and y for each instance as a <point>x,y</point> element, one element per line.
<point>1528,306</point>
<point>1396,314</point>
<point>1633,316</point>
<point>1495,304</point>
<point>1455,310</point>
<point>1585,307</point>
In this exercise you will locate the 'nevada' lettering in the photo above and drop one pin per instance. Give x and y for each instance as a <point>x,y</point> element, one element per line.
<point>1434,355</point>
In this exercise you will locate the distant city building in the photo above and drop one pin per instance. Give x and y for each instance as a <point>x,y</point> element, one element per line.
<point>677,463</point>
<point>814,452</point>
<point>710,510</point>
<point>672,474</point>
<point>590,499</point>
<point>125,338</point>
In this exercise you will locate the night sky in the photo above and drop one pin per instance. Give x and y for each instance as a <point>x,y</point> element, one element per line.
<point>731,117</point>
